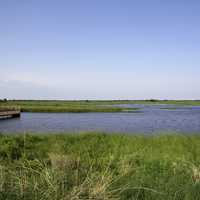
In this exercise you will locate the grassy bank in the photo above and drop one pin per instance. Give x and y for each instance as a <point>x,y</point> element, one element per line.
<point>99,167</point>
<point>63,106</point>
<point>84,106</point>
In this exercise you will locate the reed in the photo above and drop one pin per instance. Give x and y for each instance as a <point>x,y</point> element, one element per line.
<point>99,166</point>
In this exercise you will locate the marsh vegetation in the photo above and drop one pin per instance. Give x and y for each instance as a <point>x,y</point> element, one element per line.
<point>86,105</point>
<point>99,166</point>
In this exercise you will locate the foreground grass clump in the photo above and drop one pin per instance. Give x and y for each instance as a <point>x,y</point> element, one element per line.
<point>99,167</point>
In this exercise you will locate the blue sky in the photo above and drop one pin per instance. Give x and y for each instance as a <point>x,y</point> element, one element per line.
<point>100,49</point>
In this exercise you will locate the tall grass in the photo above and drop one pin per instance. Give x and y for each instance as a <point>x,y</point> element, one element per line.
<point>99,166</point>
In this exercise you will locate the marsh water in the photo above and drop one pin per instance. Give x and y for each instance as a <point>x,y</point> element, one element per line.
<point>149,119</point>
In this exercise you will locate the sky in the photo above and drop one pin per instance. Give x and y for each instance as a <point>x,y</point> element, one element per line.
<point>100,49</point>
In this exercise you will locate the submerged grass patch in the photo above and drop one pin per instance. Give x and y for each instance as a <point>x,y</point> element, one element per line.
<point>170,108</point>
<point>99,166</point>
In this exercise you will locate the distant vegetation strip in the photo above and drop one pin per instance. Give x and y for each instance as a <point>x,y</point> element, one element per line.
<point>98,102</point>
<point>73,109</point>
<point>86,105</point>
<point>99,166</point>
<point>63,106</point>
<point>9,108</point>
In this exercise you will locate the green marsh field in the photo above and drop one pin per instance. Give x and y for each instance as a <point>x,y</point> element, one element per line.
<point>98,166</point>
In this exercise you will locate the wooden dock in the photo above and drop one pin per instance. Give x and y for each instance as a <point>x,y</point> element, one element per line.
<point>9,114</point>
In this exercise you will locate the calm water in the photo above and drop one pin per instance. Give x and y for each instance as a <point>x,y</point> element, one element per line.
<point>151,119</point>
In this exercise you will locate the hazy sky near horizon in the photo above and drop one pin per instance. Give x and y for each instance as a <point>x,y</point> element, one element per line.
<point>100,49</point>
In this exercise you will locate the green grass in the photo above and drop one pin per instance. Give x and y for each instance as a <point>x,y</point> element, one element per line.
<point>9,108</point>
<point>99,166</point>
<point>64,106</point>
<point>85,106</point>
